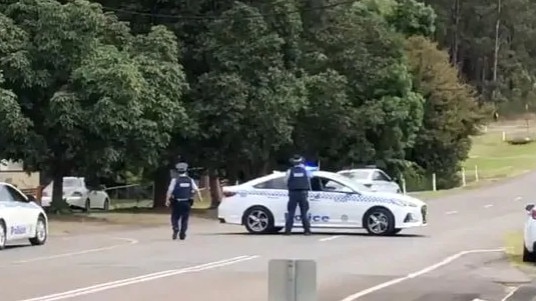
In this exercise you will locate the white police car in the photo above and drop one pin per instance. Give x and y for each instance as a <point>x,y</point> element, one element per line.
<point>335,202</point>
<point>20,217</point>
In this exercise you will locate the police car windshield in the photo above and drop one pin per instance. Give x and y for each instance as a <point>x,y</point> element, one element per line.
<point>345,181</point>
<point>356,174</point>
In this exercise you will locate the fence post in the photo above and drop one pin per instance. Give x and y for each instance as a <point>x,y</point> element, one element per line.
<point>434,187</point>
<point>464,180</point>
<point>292,280</point>
<point>503,136</point>
<point>476,173</point>
<point>403,180</point>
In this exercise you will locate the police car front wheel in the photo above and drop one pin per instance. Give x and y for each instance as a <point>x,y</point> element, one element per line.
<point>259,220</point>
<point>2,235</point>
<point>379,221</point>
<point>40,232</point>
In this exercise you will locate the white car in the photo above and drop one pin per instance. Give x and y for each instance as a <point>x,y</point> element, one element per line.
<point>78,195</point>
<point>335,202</point>
<point>373,178</point>
<point>21,217</point>
<point>529,235</point>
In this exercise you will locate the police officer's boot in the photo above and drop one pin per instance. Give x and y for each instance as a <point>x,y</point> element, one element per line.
<point>175,232</point>
<point>182,236</point>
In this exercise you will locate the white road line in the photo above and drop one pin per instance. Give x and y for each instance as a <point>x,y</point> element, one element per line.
<point>329,238</point>
<point>134,280</point>
<point>451,212</point>
<point>488,206</point>
<point>416,274</point>
<point>518,198</point>
<point>129,240</point>
<point>511,293</point>
<point>479,299</point>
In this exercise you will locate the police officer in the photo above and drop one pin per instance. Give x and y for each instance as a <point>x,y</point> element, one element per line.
<point>298,183</point>
<point>180,196</point>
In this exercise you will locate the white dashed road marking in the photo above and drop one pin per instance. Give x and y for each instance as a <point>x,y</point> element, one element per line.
<point>518,198</point>
<point>424,271</point>
<point>451,212</point>
<point>130,241</point>
<point>511,293</point>
<point>488,206</point>
<point>329,238</point>
<point>144,278</point>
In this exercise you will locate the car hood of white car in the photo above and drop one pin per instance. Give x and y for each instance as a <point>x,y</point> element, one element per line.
<point>397,196</point>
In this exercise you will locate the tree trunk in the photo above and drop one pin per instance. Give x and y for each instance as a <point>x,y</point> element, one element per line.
<point>161,183</point>
<point>215,189</point>
<point>58,204</point>
<point>456,34</point>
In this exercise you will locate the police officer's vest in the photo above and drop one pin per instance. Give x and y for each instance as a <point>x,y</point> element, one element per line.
<point>298,179</point>
<point>183,188</point>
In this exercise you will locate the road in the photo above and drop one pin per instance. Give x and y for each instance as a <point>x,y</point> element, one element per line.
<point>221,262</point>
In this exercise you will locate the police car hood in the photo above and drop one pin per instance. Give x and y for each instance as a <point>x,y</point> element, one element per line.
<point>396,196</point>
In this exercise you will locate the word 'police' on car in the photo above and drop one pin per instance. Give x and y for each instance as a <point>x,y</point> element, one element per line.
<point>335,202</point>
<point>20,217</point>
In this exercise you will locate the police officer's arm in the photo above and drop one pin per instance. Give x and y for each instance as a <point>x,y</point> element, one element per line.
<point>170,188</point>
<point>196,189</point>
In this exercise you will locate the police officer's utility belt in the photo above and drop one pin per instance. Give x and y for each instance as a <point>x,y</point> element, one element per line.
<point>182,200</point>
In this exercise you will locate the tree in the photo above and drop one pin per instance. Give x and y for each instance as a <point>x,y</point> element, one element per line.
<point>91,93</point>
<point>451,113</point>
<point>357,53</point>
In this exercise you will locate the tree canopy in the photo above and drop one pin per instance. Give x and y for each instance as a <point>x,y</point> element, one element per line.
<point>107,87</point>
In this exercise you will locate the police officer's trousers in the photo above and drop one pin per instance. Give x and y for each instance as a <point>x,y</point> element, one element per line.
<point>180,213</point>
<point>297,198</point>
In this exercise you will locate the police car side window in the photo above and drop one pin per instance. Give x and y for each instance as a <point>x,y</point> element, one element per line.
<point>16,195</point>
<point>377,176</point>
<point>277,183</point>
<point>5,196</point>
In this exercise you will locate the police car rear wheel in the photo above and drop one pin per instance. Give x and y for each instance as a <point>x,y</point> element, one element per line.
<point>2,235</point>
<point>40,232</point>
<point>379,221</point>
<point>259,220</point>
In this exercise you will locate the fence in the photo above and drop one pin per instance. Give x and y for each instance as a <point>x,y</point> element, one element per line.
<point>141,196</point>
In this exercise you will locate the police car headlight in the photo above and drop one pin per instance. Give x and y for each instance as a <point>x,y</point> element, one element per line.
<point>405,203</point>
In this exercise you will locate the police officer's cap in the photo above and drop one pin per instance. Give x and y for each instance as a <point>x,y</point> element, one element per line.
<point>296,159</point>
<point>181,167</point>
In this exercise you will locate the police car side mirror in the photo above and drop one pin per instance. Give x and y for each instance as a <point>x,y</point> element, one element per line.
<point>31,198</point>
<point>529,207</point>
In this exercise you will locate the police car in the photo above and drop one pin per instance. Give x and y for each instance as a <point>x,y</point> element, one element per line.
<point>335,202</point>
<point>20,217</point>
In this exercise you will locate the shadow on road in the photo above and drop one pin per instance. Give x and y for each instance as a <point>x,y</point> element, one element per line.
<point>315,234</point>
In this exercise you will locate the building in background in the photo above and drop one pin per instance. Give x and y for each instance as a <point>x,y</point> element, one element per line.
<point>13,173</point>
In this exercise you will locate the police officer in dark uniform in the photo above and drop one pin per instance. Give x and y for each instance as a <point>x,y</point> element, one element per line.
<point>298,183</point>
<point>180,196</point>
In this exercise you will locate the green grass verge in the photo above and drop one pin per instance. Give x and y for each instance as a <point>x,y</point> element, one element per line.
<point>514,248</point>
<point>495,160</point>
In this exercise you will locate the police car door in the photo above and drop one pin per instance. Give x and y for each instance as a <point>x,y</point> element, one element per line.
<point>346,205</point>
<point>325,211</point>
<point>13,215</point>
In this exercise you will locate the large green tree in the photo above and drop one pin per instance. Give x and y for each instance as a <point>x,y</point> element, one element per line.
<point>89,92</point>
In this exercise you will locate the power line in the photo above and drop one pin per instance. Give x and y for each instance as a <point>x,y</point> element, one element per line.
<point>322,7</point>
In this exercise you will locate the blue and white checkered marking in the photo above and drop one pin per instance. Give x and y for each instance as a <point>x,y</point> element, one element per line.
<point>315,195</point>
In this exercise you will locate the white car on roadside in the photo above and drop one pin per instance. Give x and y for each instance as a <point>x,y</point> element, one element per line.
<point>529,235</point>
<point>373,178</point>
<point>21,217</point>
<point>335,202</point>
<point>77,195</point>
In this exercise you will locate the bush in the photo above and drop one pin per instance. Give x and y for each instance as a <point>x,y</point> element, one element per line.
<point>520,140</point>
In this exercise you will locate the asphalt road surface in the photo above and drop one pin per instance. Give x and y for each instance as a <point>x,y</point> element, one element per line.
<point>457,257</point>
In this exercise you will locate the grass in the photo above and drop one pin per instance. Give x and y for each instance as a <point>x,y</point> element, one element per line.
<point>494,158</point>
<point>514,248</point>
